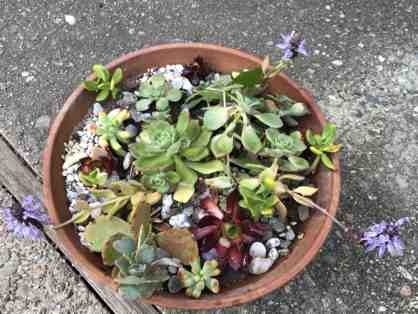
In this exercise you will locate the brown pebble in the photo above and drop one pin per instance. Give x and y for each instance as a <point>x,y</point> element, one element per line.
<point>406,291</point>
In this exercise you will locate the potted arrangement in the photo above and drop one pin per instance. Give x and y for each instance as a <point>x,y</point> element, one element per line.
<point>192,175</point>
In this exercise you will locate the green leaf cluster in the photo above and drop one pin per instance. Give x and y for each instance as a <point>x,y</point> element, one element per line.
<point>177,151</point>
<point>110,130</point>
<point>323,144</point>
<point>199,278</point>
<point>156,89</point>
<point>96,178</point>
<point>105,84</point>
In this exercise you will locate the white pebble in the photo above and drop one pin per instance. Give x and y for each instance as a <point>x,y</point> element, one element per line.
<point>260,265</point>
<point>337,63</point>
<point>273,242</point>
<point>273,254</point>
<point>69,19</point>
<point>257,249</point>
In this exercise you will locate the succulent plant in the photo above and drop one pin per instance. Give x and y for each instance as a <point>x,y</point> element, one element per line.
<point>104,84</point>
<point>226,232</point>
<point>199,278</point>
<point>181,148</point>
<point>102,229</point>
<point>122,193</point>
<point>139,272</point>
<point>321,144</point>
<point>96,178</point>
<point>287,108</point>
<point>110,132</point>
<point>160,181</point>
<point>156,89</point>
<point>288,148</point>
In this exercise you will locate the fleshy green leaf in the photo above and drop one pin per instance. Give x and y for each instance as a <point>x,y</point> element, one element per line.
<point>103,94</point>
<point>143,104</point>
<point>328,134</point>
<point>101,72</point>
<point>174,95</point>
<point>186,174</point>
<point>90,86</point>
<point>327,162</point>
<point>305,190</point>
<point>208,167</point>
<point>270,119</point>
<point>221,145</point>
<point>250,78</point>
<point>184,192</point>
<point>215,117</point>
<point>116,78</point>
<point>124,246</point>
<point>102,229</point>
<point>250,139</point>
<point>162,104</point>
<point>183,122</point>
<point>221,182</point>
<point>109,254</point>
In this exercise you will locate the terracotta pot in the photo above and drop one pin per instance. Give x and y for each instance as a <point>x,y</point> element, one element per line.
<point>223,59</point>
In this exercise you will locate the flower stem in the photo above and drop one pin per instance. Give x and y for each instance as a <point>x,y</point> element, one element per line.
<point>324,211</point>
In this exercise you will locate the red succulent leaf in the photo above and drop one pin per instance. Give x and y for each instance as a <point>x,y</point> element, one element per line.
<point>200,233</point>
<point>256,229</point>
<point>235,258</point>
<point>247,238</point>
<point>223,247</point>
<point>210,204</point>
<point>246,259</point>
<point>232,206</point>
<point>209,220</point>
<point>209,242</point>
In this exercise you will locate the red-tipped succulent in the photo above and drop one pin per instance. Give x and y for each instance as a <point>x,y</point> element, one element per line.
<point>227,232</point>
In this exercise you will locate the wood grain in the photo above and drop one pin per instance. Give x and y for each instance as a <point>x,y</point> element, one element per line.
<point>19,180</point>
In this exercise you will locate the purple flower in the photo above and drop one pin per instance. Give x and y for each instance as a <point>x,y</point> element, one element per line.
<point>292,45</point>
<point>24,222</point>
<point>384,236</point>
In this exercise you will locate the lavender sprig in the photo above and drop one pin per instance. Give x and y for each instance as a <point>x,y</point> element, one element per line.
<point>24,221</point>
<point>385,237</point>
<point>292,45</point>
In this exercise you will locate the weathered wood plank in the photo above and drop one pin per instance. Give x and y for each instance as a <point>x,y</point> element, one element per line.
<point>16,177</point>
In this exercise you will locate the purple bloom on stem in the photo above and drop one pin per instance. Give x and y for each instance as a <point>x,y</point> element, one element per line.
<point>24,223</point>
<point>384,236</point>
<point>292,45</point>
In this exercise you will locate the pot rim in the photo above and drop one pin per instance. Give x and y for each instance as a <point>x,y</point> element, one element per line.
<point>248,292</point>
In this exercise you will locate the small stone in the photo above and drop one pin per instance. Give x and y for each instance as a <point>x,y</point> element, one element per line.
<point>127,161</point>
<point>267,236</point>
<point>290,234</point>
<point>257,249</point>
<point>132,130</point>
<point>180,221</point>
<point>273,243</point>
<point>285,244</point>
<point>97,108</point>
<point>381,309</point>
<point>172,270</point>
<point>166,210</point>
<point>337,63</point>
<point>381,58</point>
<point>405,291</point>
<point>127,99</point>
<point>43,122</point>
<point>278,226</point>
<point>301,236</point>
<point>69,19</point>
<point>273,254</point>
<point>260,265</point>
<point>174,284</point>
<point>303,213</point>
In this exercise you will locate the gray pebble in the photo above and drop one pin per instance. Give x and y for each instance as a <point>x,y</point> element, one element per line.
<point>285,244</point>
<point>180,221</point>
<point>283,252</point>
<point>278,226</point>
<point>127,161</point>
<point>127,99</point>
<point>132,130</point>
<point>273,242</point>
<point>260,265</point>
<point>257,249</point>
<point>172,270</point>
<point>268,235</point>
<point>97,108</point>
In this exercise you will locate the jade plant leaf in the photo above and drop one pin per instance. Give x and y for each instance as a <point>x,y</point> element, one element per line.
<point>250,78</point>
<point>208,167</point>
<point>102,229</point>
<point>250,139</point>
<point>221,145</point>
<point>270,119</point>
<point>215,117</point>
<point>180,244</point>
<point>221,182</point>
